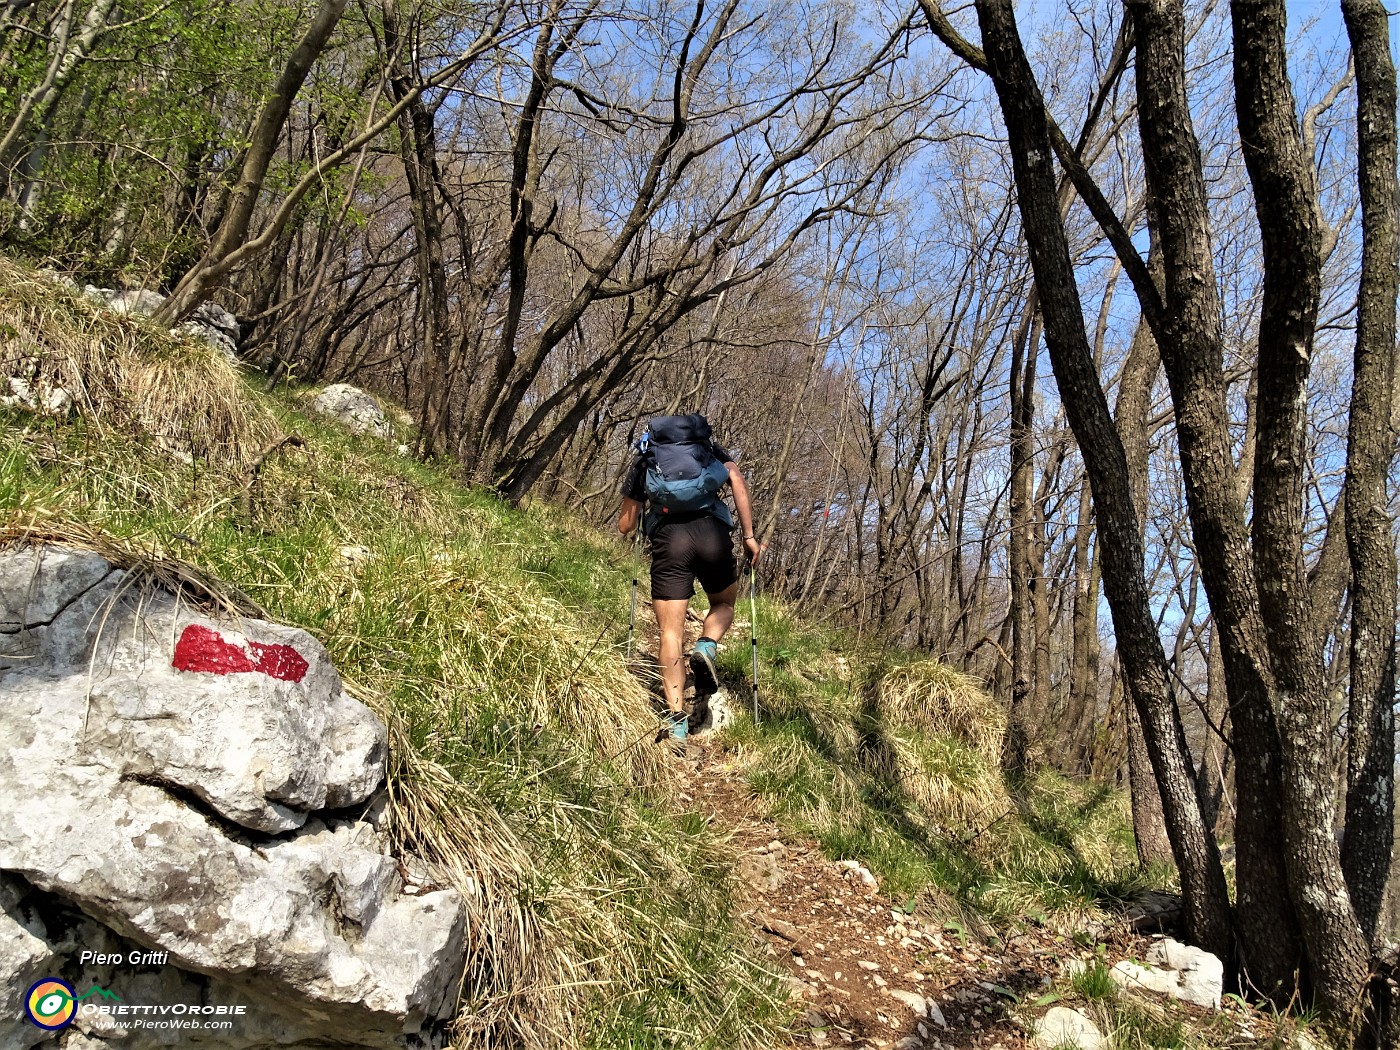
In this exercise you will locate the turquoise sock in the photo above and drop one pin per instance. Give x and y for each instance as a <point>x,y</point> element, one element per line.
<point>676,723</point>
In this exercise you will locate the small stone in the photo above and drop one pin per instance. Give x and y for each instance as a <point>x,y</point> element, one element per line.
<point>355,554</point>
<point>913,1000</point>
<point>1200,975</point>
<point>1061,1028</point>
<point>866,964</point>
<point>799,988</point>
<point>786,930</point>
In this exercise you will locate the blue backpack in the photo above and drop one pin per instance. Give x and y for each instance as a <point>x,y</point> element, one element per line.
<point>683,476</point>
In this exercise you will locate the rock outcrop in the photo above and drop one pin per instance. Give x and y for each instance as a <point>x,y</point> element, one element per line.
<point>355,409</point>
<point>1176,970</point>
<point>1062,1028</point>
<point>209,323</point>
<point>190,821</point>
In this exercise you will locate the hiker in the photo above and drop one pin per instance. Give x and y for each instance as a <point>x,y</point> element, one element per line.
<point>676,478</point>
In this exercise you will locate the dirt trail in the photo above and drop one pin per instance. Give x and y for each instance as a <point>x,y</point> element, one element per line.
<point>871,976</point>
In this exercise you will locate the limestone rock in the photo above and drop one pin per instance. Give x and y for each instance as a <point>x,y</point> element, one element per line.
<point>935,1014</point>
<point>913,1000</point>
<point>761,870</point>
<point>41,396</point>
<point>358,411</point>
<point>1132,977</point>
<point>712,712</point>
<point>253,721</point>
<point>209,323</point>
<point>220,341</point>
<point>157,752</point>
<point>38,582</point>
<point>1062,1027</point>
<point>25,957</point>
<point>855,869</point>
<point>1200,974</point>
<point>63,280</point>
<point>211,315</point>
<point>141,303</point>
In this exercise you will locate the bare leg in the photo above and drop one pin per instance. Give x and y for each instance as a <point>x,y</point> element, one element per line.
<point>721,613</point>
<point>670,618</point>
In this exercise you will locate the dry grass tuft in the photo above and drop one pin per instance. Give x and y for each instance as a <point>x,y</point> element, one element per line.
<point>147,567</point>
<point>123,375</point>
<point>950,784</point>
<point>937,699</point>
<point>512,976</point>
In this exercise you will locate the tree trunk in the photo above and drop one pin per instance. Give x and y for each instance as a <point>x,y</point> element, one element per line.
<point>205,275</point>
<point>1285,194</point>
<point>1149,824</point>
<point>1015,757</point>
<point>1366,856</point>
<point>1082,710</point>
<point>1190,346</point>
<point>1131,417</point>
<point>1203,882</point>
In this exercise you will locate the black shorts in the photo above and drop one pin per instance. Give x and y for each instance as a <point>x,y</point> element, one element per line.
<point>683,551</point>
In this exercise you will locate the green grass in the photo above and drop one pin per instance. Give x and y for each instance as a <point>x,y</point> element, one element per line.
<point>891,760</point>
<point>492,635</point>
<point>1093,982</point>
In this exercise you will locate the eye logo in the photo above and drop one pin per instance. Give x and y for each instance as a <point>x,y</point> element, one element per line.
<point>51,1003</point>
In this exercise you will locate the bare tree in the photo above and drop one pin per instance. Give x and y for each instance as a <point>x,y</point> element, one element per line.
<point>1270,611</point>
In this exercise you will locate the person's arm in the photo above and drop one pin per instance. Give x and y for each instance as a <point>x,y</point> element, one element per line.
<point>741,504</point>
<point>631,513</point>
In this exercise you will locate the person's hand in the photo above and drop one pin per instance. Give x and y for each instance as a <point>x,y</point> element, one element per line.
<point>754,549</point>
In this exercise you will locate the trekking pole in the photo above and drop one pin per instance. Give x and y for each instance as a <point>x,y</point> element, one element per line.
<point>753,635</point>
<point>632,615</point>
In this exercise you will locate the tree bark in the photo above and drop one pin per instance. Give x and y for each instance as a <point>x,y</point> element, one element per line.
<point>1285,194</point>
<point>1366,856</point>
<point>1131,417</point>
<point>1082,712</point>
<point>1191,347</point>
<point>1015,757</point>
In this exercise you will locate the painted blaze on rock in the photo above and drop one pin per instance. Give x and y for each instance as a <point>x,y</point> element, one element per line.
<point>202,648</point>
<point>191,787</point>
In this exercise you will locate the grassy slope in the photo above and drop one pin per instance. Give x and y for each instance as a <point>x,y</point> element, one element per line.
<point>492,639</point>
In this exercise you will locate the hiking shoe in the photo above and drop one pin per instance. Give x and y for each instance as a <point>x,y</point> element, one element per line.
<point>702,665</point>
<point>674,725</point>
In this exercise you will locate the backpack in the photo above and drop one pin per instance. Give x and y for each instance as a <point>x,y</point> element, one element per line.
<point>683,476</point>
